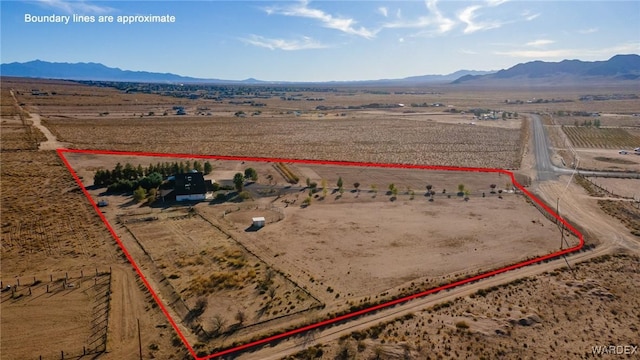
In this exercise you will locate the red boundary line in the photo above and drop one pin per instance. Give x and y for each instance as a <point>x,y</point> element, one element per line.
<point>317,162</point>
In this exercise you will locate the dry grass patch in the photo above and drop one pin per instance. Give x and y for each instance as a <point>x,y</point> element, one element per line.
<point>525,318</point>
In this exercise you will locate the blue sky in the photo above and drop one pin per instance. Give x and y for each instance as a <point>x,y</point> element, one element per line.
<point>322,40</point>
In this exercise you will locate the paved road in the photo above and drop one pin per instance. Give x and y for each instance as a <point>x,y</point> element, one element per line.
<point>545,168</point>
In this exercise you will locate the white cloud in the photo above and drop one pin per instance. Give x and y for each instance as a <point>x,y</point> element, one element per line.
<point>346,25</point>
<point>435,22</point>
<point>383,11</point>
<point>281,44</point>
<point>624,48</point>
<point>469,17</point>
<point>78,6</point>
<point>468,52</point>
<point>443,23</point>
<point>540,42</point>
<point>528,16</point>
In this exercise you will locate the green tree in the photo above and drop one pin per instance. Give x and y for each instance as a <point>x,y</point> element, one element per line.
<point>129,173</point>
<point>153,195</point>
<point>238,181</point>
<point>357,186</point>
<point>251,173</point>
<point>207,168</point>
<point>139,194</point>
<point>151,182</point>
<point>339,183</point>
<point>244,195</point>
<point>116,174</point>
<point>197,165</point>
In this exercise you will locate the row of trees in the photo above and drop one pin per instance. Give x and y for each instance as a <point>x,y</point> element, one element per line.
<point>128,177</point>
<point>393,189</point>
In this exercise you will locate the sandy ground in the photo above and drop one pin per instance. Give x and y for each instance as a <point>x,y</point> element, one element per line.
<point>80,310</point>
<point>363,248</point>
<point>35,254</point>
<point>622,187</point>
<point>385,248</point>
<point>562,315</point>
<point>607,160</point>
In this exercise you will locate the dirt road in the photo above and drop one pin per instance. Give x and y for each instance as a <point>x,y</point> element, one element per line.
<point>52,142</point>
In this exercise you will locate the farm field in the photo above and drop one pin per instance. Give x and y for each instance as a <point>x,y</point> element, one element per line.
<point>395,244</point>
<point>606,120</point>
<point>335,139</point>
<point>604,138</point>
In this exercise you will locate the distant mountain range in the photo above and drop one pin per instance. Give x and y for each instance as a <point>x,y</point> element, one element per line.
<point>618,68</point>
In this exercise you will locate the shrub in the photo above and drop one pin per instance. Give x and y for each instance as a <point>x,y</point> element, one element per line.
<point>462,325</point>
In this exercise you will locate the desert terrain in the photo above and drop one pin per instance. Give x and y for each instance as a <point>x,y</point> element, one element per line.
<point>395,245</point>
<point>360,243</point>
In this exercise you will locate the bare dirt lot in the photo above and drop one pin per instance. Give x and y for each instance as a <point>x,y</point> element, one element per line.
<point>82,309</point>
<point>629,188</point>
<point>340,250</point>
<point>562,314</point>
<point>608,160</point>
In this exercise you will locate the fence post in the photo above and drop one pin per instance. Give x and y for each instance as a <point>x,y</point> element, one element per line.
<point>18,281</point>
<point>62,354</point>
<point>51,278</point>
